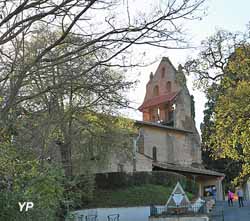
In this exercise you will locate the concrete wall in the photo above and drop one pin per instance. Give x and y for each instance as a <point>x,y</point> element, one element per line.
<point>126,214</point>
<point>133,214</point>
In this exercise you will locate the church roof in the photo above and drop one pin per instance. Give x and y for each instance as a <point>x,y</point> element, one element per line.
<point>194,170</point>
<point>166,59</point>
<point>153,124</point>
<point>158,100</point>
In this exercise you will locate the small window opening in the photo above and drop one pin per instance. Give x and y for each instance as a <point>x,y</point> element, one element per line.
<point>154,154</point>
<point>162,72</point>
<point>156,90</point>
<point>168,86</point>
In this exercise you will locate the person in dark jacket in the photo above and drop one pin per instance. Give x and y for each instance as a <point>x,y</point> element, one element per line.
<point>240,197</point>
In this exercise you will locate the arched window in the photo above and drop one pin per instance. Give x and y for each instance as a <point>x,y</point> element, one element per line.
<point>154,153</point>
<point>163,72</point>
<point>140,144</point>
<point>168,86</point>
<point>156,90</point>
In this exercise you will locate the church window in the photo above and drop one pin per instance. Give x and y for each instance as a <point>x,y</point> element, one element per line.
<point>154,153</point>
<point>156,90</point>
<point>163,72</point>
<point>141,144</point>
<point>168,86</point>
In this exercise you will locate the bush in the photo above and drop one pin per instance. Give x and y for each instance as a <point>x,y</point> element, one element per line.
<point>26,179</point>
<point>120,180</point>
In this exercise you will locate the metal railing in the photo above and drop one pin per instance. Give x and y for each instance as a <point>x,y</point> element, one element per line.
<point>76,217</point>
<point>215,215</point>
<point>183,209</point>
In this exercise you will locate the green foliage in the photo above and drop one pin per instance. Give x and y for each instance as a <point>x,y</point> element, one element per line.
<point>113,181</point>
<point>79,190</point>
<point>222,71</point>
<point>226,118</point>
<point>49,111</point>
<point>142,195</point>
<point>24,178</point>
<point>232,123</point>
<point>210,155</point>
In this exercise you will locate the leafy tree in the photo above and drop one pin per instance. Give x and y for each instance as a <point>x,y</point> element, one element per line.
<point>25,179</point>
<point>209,155</point>
<point>231,113</point>
<point>222,69</point>
<point>55,117</point>
<point>65,118</point>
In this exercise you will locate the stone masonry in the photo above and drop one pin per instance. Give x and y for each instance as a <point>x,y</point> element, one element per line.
<point>168,103</point>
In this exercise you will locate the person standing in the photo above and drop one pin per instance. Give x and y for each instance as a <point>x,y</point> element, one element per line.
<point>230,198</point>
<point>240,197</point>
<point>214,193</point>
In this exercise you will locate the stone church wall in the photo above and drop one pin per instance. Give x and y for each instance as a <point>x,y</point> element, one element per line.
<point>172,147</point>
<point>159,79</point>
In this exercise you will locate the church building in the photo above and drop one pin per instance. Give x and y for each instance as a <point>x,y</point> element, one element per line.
<point>167,138</point>
<point>168,135</point>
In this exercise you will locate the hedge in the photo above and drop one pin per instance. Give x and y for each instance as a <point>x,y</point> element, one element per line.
<point>119,180</point>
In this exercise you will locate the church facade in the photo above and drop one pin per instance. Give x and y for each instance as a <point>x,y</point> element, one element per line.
<point>167,138</point>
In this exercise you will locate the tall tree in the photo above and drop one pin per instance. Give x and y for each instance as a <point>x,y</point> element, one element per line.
<point>56,97</point>
<point>116,28</point>
<point>223,71</point>
<point>209,155</point>
<point>231,137</point>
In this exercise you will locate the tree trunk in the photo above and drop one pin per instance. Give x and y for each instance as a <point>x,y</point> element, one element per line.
<point>65,149</point>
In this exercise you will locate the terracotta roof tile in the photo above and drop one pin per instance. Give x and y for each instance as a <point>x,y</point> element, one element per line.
<point>158,100</point>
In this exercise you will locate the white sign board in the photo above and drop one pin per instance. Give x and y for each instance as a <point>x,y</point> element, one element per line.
<point>178,197</point>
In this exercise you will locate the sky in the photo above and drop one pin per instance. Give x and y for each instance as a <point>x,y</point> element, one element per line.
<point>231,15</point>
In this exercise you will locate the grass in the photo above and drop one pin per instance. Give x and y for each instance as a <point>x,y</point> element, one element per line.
<point>143,195</point>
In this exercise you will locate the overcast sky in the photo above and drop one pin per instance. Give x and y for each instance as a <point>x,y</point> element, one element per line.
<point>232,15</point>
